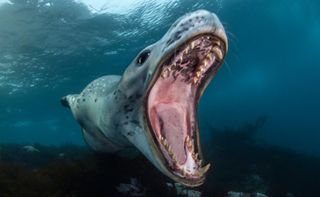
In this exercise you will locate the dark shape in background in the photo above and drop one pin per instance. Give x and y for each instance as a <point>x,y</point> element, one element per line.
<point>239,164</point>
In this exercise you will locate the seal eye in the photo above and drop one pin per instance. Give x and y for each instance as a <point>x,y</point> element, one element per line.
<point>143,57</point>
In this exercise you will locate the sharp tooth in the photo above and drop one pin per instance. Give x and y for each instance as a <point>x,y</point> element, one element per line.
<point>204,169</point>
<point>192,45</point>
<point>160,137</point>
<point>209,57</point>
<point>189,143</point>
<point>184,173</point>
<point>166,144</point>
<point>195,80</point>
<point>205,63</point>
<point>174,158</point>
<point>202,69</point>
<point>200,162</point>
<point>180,59</point>
<point>170,150</point>
<point>217,52</point>
<point>187,50</point>
<point>217,42</point>
<point>165,73</point>
<point>198,73</point>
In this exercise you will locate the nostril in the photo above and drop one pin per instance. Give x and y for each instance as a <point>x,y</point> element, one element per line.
<point>64,102</point>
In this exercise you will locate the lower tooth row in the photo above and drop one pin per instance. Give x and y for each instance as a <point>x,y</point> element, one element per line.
<point>195,156</point>
<point>169,149</point>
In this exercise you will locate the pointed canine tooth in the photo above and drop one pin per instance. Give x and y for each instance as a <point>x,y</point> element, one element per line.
<point>198,73</point>
<point>204,169</point>
<point>217,42</point>
<point>217,52</point>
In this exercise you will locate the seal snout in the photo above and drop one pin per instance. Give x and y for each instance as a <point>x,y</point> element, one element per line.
<point>64,102</point>
<point>192,25</point>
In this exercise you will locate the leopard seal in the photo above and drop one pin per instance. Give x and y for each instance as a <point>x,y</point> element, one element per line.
<point>152,106</point>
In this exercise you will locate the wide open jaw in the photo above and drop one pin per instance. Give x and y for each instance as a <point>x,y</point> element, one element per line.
<point>172,100</point>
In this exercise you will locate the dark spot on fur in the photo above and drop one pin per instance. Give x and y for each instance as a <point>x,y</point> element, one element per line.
<point>130,133</point>
<point>83,100</point>
<point>95,100</point>
<point>136,122</point>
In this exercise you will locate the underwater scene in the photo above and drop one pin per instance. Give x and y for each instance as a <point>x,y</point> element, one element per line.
<point>191,98</point>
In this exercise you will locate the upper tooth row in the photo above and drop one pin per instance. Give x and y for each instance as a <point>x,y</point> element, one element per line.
<point>217,51</point>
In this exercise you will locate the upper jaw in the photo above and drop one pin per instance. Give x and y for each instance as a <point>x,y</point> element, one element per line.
<point>168,44</point>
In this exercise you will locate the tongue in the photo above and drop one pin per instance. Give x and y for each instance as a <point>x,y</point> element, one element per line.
<point>172,118</point>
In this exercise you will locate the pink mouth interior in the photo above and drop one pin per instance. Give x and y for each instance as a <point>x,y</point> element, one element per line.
<point>172,102</point>
<point>172,112</point>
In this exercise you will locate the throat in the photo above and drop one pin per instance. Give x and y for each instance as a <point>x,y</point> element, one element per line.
<point>172,115</point>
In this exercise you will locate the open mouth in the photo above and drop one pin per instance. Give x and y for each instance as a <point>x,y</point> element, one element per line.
<point>172,101</point>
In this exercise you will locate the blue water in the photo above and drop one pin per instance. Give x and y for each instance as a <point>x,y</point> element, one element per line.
<point>52,48</point>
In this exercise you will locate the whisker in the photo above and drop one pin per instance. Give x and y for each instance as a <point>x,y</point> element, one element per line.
<point>228,67</point>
